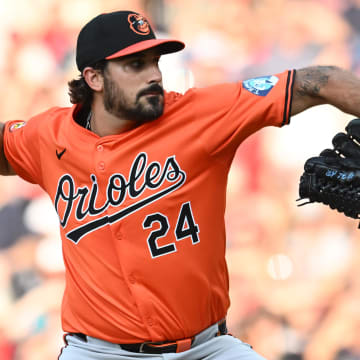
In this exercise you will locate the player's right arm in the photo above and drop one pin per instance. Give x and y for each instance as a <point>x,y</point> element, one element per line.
<point>316,85</point>
<point>5,168</point>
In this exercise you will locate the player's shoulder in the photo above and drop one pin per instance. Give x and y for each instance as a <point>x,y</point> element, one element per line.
<point>42,122</point>
<point>49,121</point>
<point>210,99</point>
<point>51,114</point>
<point>171,97</point>
<point>213,91</point>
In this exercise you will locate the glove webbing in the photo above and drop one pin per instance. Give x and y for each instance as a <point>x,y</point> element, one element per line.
<point>338,189</point>
<point>333,178</point>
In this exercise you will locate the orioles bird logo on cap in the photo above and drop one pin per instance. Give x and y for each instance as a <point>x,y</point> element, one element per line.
<point>139,24</point>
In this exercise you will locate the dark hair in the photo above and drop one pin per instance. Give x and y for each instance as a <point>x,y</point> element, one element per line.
<point>79,91</point>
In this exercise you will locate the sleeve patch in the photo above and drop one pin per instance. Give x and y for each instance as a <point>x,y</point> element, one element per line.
<point>17,125</point>
<point>260,86</point>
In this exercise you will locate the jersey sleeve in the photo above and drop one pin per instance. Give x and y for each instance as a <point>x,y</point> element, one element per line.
<point>229,113</point>
<point>22,149</point>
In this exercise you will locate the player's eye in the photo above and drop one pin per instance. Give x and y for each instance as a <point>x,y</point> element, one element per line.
<point>139,63</point>
<point>136,64</point>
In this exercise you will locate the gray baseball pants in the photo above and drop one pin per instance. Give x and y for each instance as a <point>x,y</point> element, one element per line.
<point>205,347</point>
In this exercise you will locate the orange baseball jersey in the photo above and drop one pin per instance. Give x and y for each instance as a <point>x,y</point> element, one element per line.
<point>142,213</point>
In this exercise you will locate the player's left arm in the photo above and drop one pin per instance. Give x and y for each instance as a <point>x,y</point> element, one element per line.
<point>316,85</point>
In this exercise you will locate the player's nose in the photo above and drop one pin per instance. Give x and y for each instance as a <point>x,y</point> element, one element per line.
<point>154,74</point>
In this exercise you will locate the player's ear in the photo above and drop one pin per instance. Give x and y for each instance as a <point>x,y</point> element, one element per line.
<point>94,78</point>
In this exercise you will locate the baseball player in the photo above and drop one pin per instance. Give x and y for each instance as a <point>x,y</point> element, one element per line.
<point>138,179</point>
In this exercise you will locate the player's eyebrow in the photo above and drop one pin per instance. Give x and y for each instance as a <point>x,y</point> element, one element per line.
<point>133,56</point>
<point>138,55</point>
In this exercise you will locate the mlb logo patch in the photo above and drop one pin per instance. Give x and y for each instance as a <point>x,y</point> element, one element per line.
<point>260,86</point>
<point>17,125</point>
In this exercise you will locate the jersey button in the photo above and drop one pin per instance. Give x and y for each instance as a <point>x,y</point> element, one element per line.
<point>150,321</point>
<point>101,165</point>
<point>132,279</point>
<point>99,148</point>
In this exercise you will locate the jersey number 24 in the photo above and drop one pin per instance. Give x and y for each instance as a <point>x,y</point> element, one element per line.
<point>185,227</point>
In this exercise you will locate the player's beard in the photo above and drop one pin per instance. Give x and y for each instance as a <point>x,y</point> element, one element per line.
<point>115,102</point>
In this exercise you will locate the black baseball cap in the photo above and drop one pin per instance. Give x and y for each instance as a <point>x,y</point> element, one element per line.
<point>117,34</point>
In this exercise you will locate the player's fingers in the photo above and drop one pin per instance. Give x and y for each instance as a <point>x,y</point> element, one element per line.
<point>345,146</point>
<point>353,129</point>
<point>331,153</point>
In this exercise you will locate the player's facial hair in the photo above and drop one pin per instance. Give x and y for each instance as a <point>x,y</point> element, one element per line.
<point>116,104</point>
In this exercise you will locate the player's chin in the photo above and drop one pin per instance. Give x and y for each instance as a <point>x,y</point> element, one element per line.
<point>150,110</point>
<point>154,105</point>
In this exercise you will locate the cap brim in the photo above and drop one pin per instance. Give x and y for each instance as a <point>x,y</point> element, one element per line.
<point>165,46</point>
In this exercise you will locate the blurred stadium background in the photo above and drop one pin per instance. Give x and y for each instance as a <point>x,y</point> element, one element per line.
<point>294,272</point>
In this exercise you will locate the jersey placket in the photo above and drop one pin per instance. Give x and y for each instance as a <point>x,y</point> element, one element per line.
<point>105,167</point>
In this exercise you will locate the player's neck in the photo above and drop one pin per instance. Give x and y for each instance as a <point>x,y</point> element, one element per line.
<point>104,123</point>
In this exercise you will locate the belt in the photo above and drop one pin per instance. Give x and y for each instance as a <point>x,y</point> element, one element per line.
<point>164,346</point>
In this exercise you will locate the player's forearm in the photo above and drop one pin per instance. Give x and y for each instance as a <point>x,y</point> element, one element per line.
<point>317,85</point>
<point>5,168</point>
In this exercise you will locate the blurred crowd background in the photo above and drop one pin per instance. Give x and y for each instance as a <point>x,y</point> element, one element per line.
<point>294,271</point>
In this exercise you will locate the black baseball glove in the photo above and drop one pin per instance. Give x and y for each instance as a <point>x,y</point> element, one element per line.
<point>333,178</point>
